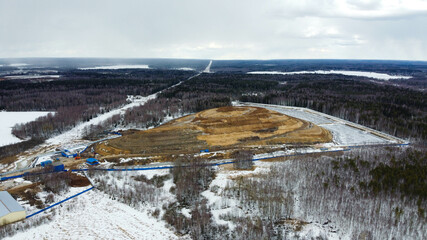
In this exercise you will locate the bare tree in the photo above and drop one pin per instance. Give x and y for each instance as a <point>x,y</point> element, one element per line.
<point>243,159</point>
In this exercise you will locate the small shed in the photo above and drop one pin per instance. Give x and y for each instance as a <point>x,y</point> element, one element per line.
<point>46,163</point>
<point>92,161</point>
<point>204,150</point>
<point>10,210</point>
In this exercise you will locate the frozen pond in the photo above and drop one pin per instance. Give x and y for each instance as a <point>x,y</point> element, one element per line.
<point>116,67</point>
<point>379,76</point>
<point>9,119</point>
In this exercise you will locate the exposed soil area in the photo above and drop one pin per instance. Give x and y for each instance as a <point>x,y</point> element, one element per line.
<point>217,129</point>
<point>78,180</point>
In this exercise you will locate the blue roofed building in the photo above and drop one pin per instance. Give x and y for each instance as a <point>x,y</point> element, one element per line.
<point>92,161</point>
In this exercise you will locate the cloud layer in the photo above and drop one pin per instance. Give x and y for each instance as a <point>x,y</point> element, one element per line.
<point>221,29</point>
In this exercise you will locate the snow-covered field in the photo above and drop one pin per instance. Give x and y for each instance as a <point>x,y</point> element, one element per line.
<point>344,133</point>
<point>221,205</point>
<point>117,67</point>
<point>379,76</point>
<point>18,64</point>
<point>9,119</point>
<point>185,69</point>
<point>93,215</point>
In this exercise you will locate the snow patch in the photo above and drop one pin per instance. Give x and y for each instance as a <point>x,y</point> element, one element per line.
<point>117,67</point>
<point>380,76</point>
<point>221,205</point>
<point>18,64</point>
<point>32,76</point>
<point>185,69</point>
<point>10,119</point>
<point>94,215</point>
<point>208,68</point>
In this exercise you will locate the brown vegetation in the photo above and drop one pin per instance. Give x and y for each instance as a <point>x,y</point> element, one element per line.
<point>217,129</point>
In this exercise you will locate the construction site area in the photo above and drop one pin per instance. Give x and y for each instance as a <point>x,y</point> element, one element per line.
<point>219,129</point>
<point>211,136</point>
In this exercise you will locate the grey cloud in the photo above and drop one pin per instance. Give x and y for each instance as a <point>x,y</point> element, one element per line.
<point>210,29</point>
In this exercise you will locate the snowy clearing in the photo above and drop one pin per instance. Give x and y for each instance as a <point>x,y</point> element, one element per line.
<point>32,76</point>
<point>117,67</point>
<point>77,132</point>
<point>185,69</point>
<point>379,76</point>
<point>221,205</point>
<point>18,64</point>
<point>208,68</point>
<point>9,119</point>
<point>344,133</point>
<point>94,215</point>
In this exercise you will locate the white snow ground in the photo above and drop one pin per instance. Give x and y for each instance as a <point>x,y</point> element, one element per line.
<point>9,119</point>
<point>379,76</point>
<point>18,64</point>
<point>117,67</point>
<point>221,205</point>
<point>185,69</point>
<point>77,132</point>
<point>93,215</point>
<point>208,68</point>
<point>344,133</point>
<point>32,76</point>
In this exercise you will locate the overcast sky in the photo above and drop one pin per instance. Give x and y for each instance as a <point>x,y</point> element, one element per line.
<point>215,29</point>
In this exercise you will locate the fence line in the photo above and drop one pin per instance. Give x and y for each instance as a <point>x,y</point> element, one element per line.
<point>53,205</point>
<point>206,165</point>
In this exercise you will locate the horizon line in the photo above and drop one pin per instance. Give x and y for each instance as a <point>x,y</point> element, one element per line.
<point>219,59</point>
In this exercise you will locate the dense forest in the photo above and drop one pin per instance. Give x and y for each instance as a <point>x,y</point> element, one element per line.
<point>398,111</point>
<point>79,97</point>
<point>84,94</point>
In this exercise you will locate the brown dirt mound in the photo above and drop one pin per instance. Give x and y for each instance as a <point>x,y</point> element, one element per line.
<point>217,128</point>
<point>78,181</point>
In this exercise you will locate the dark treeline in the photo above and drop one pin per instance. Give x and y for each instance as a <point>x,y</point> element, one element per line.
<point>83,88</point>
<point>155,111</point>
<point>406,173</point>
<point>395,110</point>
<point>80,97</point>
<point>16,148</point>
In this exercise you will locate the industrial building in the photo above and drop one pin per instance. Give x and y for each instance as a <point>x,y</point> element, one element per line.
<point>10,210</point>
<point>92,161</point>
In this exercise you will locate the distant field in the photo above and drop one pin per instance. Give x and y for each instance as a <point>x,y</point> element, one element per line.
<point>9,119</point>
